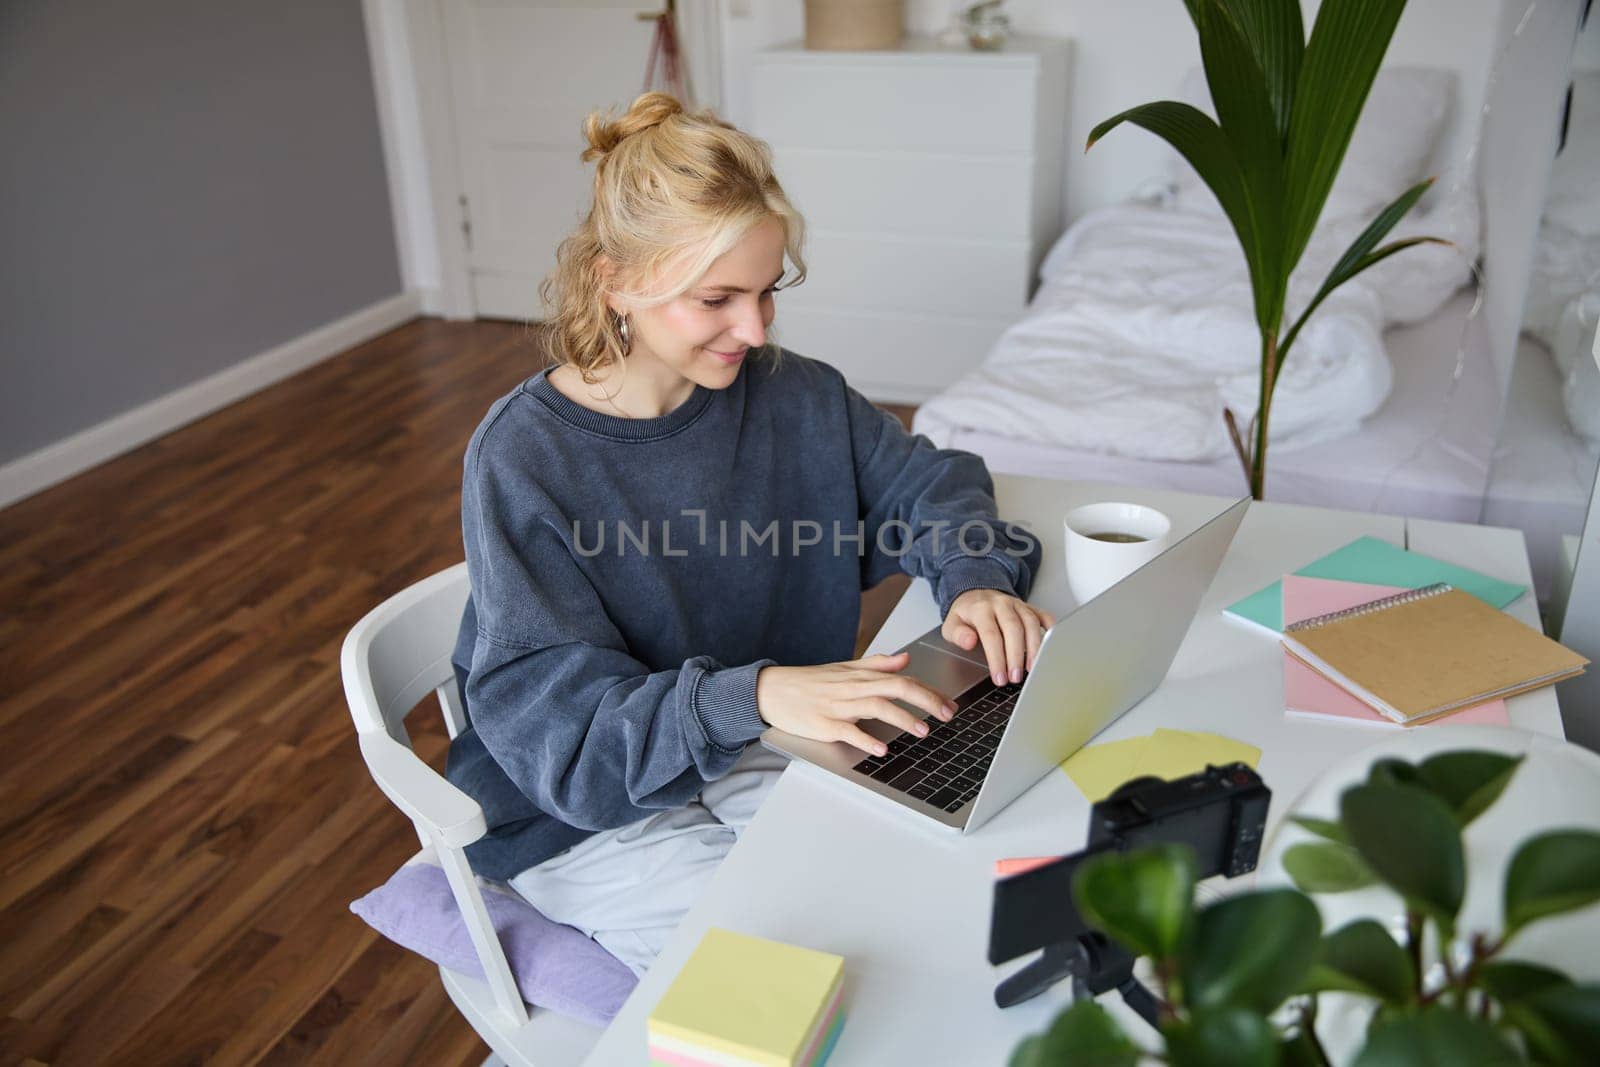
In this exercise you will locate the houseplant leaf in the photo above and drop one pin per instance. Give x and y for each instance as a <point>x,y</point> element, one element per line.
<point>1083,1034</point>
<point>1327,867</point>
<point>1348,39</point>
<point>1277,38</point>
<point>1561,1022</point>
<point>1435,1037</point>
<point>1244,111</point>
<point>1363,253</point>
<point>1507,980</point>
<point>1468,781</point>
<point>1251,950</point>
<point>1325,828</point>
<point>1226,1037</point>
<point>1143,899</point>
<point>1410,840</point>
<point>1300,1051</point>
<point>1392,771</point>
<point>1550,874</point>
<point>1202,143</point>
<point>1363,958</point>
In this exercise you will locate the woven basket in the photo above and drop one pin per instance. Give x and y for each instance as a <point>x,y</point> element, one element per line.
<point>854,25</point>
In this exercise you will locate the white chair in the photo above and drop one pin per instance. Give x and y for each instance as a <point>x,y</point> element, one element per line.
<point>391,660</point>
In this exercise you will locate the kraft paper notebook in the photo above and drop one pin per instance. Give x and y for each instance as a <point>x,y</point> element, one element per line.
<point>747,1000</point>
<point>1307,693</point>
<point>1429,651</point>
<point>1368,559</point>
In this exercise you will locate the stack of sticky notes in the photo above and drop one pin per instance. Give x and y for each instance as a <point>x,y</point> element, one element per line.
<point>746,1000</point>
<point>1099,769</point>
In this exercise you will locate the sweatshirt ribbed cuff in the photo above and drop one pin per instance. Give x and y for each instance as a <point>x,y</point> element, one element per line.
<point>971,572</point>
<point>725,704</point>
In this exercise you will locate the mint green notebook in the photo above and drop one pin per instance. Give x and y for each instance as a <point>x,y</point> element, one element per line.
<point>1375,562</point>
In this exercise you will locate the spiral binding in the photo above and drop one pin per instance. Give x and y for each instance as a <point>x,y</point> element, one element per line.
<point>1397,599</point>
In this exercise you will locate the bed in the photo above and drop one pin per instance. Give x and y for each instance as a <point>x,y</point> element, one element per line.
<point>1139,335</point>
<point>1424,453</point>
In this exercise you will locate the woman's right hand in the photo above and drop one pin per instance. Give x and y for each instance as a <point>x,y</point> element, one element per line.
<point>825,702</point>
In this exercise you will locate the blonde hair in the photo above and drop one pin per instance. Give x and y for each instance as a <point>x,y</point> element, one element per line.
<point>673,190</point>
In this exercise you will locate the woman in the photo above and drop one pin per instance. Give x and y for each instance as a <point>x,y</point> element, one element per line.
<point>667,535</point>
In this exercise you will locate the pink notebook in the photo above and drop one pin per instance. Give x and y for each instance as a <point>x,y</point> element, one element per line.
<point>1305,692</point>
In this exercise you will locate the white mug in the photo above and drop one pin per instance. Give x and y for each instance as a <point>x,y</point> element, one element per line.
<point>1095,564</point>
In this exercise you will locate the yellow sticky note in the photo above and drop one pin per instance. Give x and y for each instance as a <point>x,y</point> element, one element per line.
<point>1175,753</point>
<point>1099,769</point>
<point>747,998</point>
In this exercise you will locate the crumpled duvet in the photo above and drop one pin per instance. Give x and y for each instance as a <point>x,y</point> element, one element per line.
<point>1143,331</point>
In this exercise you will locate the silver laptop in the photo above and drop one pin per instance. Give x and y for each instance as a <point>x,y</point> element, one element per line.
<point>1093,665</point>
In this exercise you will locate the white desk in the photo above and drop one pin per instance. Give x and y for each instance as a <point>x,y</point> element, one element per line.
<point>908,908</point>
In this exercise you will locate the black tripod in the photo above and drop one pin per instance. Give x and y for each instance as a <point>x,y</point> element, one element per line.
<point>1096,965</point>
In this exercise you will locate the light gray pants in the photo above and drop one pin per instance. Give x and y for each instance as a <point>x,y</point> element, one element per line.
<point>627,888</point>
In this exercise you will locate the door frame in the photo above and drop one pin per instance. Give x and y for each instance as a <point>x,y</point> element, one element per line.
<point>411,84</point>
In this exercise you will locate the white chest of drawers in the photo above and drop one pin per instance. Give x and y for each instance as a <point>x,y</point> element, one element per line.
<point>931,183</point>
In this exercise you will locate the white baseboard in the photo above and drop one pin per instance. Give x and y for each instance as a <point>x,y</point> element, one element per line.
<point>56,463</point>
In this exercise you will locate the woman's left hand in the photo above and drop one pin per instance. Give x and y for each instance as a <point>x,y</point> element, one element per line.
<point>1009,629</point>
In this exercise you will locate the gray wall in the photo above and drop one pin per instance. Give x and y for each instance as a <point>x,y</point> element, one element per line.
<point>182,185</point>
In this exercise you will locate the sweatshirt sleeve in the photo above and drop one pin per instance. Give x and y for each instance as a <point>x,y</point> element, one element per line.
<point>930,512</point>
<point>586,731</point>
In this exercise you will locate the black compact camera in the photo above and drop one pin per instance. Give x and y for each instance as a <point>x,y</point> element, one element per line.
<point>1219,812</point>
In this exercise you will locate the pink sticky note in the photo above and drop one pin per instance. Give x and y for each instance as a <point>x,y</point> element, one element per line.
<point>1006,868</point>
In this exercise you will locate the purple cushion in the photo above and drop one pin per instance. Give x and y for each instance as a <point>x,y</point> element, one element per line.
<point>555,966</point>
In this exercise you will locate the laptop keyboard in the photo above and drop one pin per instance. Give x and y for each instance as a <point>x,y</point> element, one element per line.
<point>946,768</point>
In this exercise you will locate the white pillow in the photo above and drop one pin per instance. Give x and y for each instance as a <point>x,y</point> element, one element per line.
<point>1393,141</point>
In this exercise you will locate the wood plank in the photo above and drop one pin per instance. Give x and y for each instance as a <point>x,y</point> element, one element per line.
<point>357,1010</point>
<point>48,859</point>
<point>57,995</point>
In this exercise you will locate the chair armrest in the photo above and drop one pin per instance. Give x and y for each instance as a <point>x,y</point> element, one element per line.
<point>422,792</point>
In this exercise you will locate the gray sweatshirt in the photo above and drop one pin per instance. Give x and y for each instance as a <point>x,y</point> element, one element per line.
<point>631,576</point>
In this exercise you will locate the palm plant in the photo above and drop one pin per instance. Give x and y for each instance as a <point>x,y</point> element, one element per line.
<point>1286,109</point>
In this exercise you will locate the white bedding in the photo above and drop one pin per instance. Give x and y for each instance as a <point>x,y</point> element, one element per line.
<point>1142,331</point>
<point>1426,452</point>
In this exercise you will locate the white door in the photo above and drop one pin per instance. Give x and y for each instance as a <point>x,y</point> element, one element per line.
<point>523,75</point>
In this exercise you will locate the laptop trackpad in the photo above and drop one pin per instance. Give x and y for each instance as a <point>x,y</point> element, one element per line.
<point>944,667</point>
<point>933,640</point>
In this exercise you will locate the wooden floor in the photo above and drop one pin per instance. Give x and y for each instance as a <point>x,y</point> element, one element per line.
<point>184,816</point>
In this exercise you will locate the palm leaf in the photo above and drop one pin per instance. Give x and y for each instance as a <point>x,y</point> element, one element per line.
<point>1363,253</point>
<point>1202,143</point>
<point>1341,60</point>
<point>1277,39</point>
<point>1244,110</point>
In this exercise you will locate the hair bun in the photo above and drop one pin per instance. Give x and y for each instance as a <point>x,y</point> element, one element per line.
<point>646,112</point>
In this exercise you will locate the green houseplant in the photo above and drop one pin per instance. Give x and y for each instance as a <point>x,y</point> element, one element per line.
<point>1241,978</point>
<point>1286,109</point>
